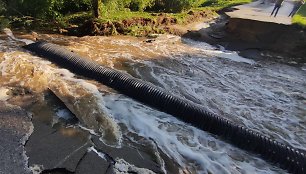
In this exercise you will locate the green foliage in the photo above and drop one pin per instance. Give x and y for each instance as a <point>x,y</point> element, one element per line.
<point>222,3</point>
<point>150,5</point>
<point>73,6</point>
<point>45,8</point>
<point>300,17</point>
<point>2,7</point>
<point>126,5</point>
<point>4,22</point>
<point>141,5</point>
<point>124,15</point>
<point>55,9</point>
<point>174,6</point>
<point>115,5</point>
<point>67,13</point>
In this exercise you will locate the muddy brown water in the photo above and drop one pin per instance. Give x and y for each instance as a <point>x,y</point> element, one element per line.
<point>263,95</point>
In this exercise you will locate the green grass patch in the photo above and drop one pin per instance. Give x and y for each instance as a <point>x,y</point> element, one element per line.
<point>123,15</point>
<point>76,17</point>
<point>110,15</point>
<point>220,4</point>
<point>300,17</point>
<point>117,16</point>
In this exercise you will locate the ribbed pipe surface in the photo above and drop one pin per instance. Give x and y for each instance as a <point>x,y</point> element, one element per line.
<point>286,157</point>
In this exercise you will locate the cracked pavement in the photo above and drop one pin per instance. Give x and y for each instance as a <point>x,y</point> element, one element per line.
<point>61,146</point>
<point>15,127</point>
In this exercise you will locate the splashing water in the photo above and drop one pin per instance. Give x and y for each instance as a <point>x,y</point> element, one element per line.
<point>10,34</point>
<point>264,96</point>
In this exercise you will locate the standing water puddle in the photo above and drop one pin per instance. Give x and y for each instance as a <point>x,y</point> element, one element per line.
<point>262,95</point>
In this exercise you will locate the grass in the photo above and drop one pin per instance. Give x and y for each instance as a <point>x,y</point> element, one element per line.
<point>300,17</point>
<point>220,4</point>
<point>118,16</point>
<point>4,22</point>
<point>125,14</point>
<point>137,30</point>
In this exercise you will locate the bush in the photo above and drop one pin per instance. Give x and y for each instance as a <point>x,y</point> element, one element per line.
<point>72,6</point>
<point>35,8</point>
<point>2,8</point>
<point>141,5</point>
<point>4,23</point>
<point>174,6</point>
<point>150,5</point>
<point>45,8</point>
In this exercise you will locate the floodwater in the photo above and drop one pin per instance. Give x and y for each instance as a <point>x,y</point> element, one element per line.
<point>263,95</point>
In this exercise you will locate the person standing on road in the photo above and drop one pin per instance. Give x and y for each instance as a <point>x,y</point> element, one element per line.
<point>296,7</point>
<point>277,6</point>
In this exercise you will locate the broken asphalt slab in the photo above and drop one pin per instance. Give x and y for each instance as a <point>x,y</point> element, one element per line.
<point>15,128</point>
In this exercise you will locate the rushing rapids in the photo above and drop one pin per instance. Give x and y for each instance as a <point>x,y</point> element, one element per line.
<point>263,95</point>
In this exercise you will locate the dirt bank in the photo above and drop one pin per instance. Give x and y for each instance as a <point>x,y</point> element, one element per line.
<point>138,26</point>
<point>255,38</point>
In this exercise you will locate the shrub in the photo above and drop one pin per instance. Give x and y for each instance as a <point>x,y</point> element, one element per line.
<point>2,7</point>
<point>45,8</point>
<point>141,5</point>
<point>174,6</point>
<point>72,6</point>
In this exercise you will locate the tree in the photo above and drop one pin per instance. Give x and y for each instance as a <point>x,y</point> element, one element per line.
<point>95,7</point>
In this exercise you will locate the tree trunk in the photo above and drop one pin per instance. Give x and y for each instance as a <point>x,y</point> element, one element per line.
<point>95,6</point>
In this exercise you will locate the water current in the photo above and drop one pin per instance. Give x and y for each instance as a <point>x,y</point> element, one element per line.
<point>263,95</point>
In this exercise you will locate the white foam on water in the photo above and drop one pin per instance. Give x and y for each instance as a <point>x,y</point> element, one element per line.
<point>191,148</point>
<point>10,34</point>
<point>218,52</point>
<point>257,97</point>
<point>268,98</point>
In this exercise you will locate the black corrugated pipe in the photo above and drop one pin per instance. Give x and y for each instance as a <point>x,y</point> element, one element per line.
<point>286,157</point>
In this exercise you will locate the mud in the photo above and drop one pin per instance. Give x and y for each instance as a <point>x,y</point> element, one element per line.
<point>159,24</point>
<point>256,39</point>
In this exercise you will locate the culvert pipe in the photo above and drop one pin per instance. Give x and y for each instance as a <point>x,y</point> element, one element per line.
<point>291,159</point>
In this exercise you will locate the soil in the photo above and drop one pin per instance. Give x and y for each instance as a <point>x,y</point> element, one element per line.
<point>255,39</point>
<point>162,23</point>
<point>250,30</point>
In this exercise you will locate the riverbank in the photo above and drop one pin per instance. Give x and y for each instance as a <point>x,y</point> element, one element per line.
<point>126,23</point>
<point>121,21</point>
<point>249,30</point>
